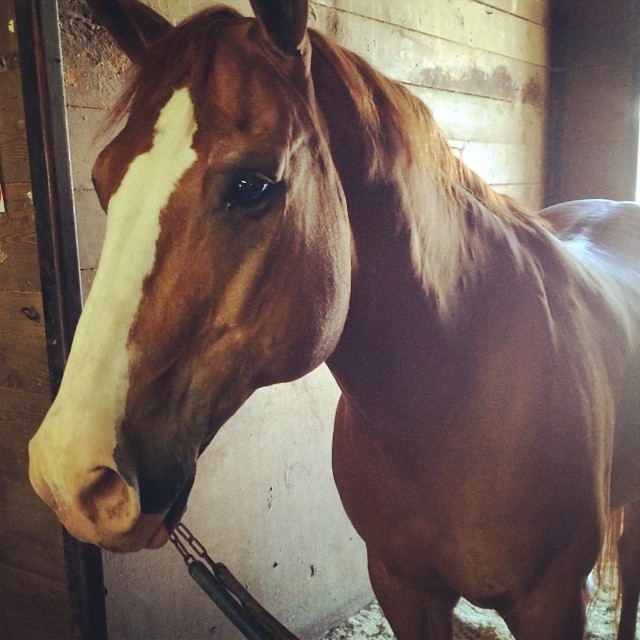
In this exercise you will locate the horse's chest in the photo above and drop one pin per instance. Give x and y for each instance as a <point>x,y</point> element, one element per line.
<point>435,527</point>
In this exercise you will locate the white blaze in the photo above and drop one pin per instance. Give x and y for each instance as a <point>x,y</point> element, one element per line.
<point>82,421</point>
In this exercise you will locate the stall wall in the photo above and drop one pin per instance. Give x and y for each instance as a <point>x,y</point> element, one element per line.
<point>596,89</point>
<point>264,501</point>
<point>34,596</point>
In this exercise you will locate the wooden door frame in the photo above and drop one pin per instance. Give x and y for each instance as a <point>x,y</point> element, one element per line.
<point>48,145</point>
<point>570,60</point>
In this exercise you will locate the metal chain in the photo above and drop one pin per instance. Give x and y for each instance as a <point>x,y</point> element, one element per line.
<point>248,615</point>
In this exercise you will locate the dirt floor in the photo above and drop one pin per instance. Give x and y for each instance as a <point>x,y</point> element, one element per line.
<point>472,623</point>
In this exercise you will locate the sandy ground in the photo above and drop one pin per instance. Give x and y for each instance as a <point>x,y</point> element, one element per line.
<point>472,623</point>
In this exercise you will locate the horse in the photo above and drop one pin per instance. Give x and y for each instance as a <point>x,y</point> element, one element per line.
<point>273,202</point>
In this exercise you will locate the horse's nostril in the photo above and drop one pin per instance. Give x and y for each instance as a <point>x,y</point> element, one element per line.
<point>108,500</point>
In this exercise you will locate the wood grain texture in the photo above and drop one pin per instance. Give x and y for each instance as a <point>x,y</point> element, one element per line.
<point>33,585</point>
<point>28,531</point>
<point>429,61</point>
<point>14,158</point>
<point>34,606</point>
<point>18,243</point>
<point>594,151</point>
<point>20,414</point>
<point>482,68</point>
<point>23,355</point>
<point>533,10</point>
<point>463,22</point>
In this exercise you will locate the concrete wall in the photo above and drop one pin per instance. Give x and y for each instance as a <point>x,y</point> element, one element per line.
<point>264,501</point>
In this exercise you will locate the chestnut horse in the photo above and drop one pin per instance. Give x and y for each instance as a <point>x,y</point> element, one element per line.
<point>274,202</point>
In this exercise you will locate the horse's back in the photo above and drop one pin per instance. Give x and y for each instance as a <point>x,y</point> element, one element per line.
<point>605,228</point>
<point>603,237</point>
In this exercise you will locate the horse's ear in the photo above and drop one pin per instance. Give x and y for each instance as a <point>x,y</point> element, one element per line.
<point>285,21</point>
<point>133,25</point>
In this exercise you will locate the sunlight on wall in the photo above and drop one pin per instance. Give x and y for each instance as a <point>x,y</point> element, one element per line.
<point>638,163</point>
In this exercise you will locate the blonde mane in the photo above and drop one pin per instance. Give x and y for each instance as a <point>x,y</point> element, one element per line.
<point>379,98</point>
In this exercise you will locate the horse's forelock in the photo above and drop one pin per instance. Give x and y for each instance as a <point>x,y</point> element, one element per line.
<point>186,52</point>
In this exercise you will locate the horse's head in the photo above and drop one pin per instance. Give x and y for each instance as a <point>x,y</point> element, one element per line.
<point>226,265</point>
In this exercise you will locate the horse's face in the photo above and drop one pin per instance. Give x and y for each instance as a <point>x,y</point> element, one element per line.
<point>226,266</point>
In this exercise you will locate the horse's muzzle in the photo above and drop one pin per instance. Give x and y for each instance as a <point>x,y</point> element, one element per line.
<point>98,506</point>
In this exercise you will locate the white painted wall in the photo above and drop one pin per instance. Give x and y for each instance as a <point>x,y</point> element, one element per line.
<point>264,503</point>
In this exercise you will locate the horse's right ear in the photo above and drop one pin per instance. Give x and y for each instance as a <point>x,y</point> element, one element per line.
<point>284,21</point>
<point>133,25</point>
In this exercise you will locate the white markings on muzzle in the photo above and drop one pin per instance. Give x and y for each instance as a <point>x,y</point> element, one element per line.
<point>79,432</point>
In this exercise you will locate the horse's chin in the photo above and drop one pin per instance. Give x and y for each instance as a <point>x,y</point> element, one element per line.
<point>160,538</point>
<point>173,517</point>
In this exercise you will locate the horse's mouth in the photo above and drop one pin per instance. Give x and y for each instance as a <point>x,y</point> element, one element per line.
<point>173,517</point>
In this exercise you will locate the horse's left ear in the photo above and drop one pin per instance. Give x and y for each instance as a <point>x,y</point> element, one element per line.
<point>133,25</point>
<point>285,22</point>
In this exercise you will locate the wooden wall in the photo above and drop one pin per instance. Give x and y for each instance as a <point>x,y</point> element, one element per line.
<point>596,96</point>
<point>33,584</point>
<point>481,66</point>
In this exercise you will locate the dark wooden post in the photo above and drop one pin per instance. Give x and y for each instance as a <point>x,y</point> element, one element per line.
<point>45,118</point>
<point>595,88</point>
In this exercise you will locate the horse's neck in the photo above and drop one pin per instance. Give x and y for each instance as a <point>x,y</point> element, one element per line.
<point>399,328</point>
<point>395,330</point>
<point>414,249</point>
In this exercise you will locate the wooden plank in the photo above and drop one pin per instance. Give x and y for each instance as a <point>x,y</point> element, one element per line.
<point>177,11</point>
<point>14,626</point>
<point>424,60</point>
<point>464,22</point>
<point>465,117</point>
<point>499,163</point>
<point>537,11</point>
<point>33,585</point>
<point>19,203</point>
<point>26,597</point>
<point>14,158</point>
<point>605,44</point>
<point>19,268</point>
<point>31,534</point>
<point>23,355</point>
<point>20,414</point>
<point>8,35</point>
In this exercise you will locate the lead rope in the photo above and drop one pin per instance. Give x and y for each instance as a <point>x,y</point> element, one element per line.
<point>235,602</point>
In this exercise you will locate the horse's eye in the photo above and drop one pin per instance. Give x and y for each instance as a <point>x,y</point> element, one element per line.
<point>248,190</point>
